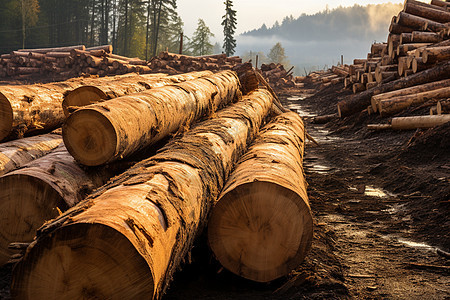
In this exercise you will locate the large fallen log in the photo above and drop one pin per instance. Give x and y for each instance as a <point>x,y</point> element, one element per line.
<point>15,154</point>
<point>408,91</point>
<point>261,226</point>
<point>38,192</point>
<point>32,108</point>
<point>127,239</point>
<point>101,89</point>
<point>397,104</point>
<point>100,133</point>
<point>360,102</point>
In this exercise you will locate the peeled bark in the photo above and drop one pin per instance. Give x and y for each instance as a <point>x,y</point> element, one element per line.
<point>397,104</point>
<point>38,192</point>
<point>98,90</point>
<point>101,133</point>
<point>359,102</point>
<point>15,154</point>
<point>407,123</point>
<point>267,191</point>
<point>148,217</point>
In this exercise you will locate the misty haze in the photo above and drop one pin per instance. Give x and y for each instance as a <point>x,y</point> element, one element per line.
<point>316,41</point>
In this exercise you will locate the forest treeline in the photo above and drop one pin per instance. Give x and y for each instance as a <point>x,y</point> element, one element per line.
<point>354,22</point>
<point>135,28</point>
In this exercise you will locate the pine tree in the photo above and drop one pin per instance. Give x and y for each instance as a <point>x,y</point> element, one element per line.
<point>277,54</point>
<point>200,43</point>
<point>229,27</point>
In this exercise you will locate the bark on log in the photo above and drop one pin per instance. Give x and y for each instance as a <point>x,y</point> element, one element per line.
<point>58,49</point>
<point>38,192</point>
<point>267,187</point>
<point>15,154</point>
<point>440,3</point>
<point>98,90</point>
<point>149,217</point>
<point>358,87</point>
<point>418,65</point>
<point>436,15</point>
<point>397,104</point>
<point>435,54</point>
<point>359,102</point>
<point>100,133</point>
<point>406,38</point>
<point>408,91</point>
<point>428,5</point>
<point>418,23</point>
<point>32,108</point>
<point>407,123</point>
<point>425,37</point>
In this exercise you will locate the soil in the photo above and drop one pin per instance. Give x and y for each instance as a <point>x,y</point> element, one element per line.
<point>380,201</point>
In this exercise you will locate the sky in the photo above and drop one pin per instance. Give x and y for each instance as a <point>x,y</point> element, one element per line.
<point>251,14</point>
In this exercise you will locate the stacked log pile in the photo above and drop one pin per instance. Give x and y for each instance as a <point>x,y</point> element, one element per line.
<point>149,215</point>
<point>410,70</point>
<point>277,76</point>
<point>332,76</point>
<point>65,62</point>
<point>172,63</point>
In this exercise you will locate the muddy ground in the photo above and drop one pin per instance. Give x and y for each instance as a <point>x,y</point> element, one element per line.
<point>380,201</point>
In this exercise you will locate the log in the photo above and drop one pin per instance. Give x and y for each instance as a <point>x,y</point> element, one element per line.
<point>440,3</point>
<point>54,183</point>
<point>408,91</point>
<point>408,123</point>
<point>57,54</point>
<point>161,204</point>
<point>358,87</point>
<point>15,154</point>
<point>100,133</point>
<point>418,65</point>
<point>425,37</point>
<point>266,191</point>
<point>443,107</point>
<point>106,48</point>
<point>418,23</point>
<point>436,15</point>
<point>406,37</point>
<point>32,109</point>
<point>402,50</point>
<point>397,104</point>
<point>58,49</point>
<point>96,90</point>
<point>429,5</point>
<point>324,119</point>
<point>359,102</point>
<point>395,28</point>
<point>383,77</point>
<point>435,54</point>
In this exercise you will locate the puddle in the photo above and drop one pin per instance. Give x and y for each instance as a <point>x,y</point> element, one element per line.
<point>394,209</point>
<point>416,245</point>
<point>318,168</point>
<point>372,191</point>
<point>296,98</point>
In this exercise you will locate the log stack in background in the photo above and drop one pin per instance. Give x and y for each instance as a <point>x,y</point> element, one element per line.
<point>409,70</point>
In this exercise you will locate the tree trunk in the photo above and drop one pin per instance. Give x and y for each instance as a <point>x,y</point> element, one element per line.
<point>32,108</point>
<point>148,217</point>
<point>418,23</point>
<point>15,154</point>
<point>359,102</point>
<point>435,54</point>
<point>436,15</point>
<point>407,123</point>
<point>53,184</point>
<point>397,104</point>
<point>408,91</point>
<point>104,132</point>
<point>98,90</point>
<point>425,37</point>
<point>267,187</point>
<point>59,49</point>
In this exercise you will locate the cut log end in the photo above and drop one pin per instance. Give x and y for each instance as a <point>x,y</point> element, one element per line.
<point>6,117</point>
<point>86,261</point>
<point>82,96</point>
<point>90,137</point>
<point>260,231</point>
<point>24,210</point>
